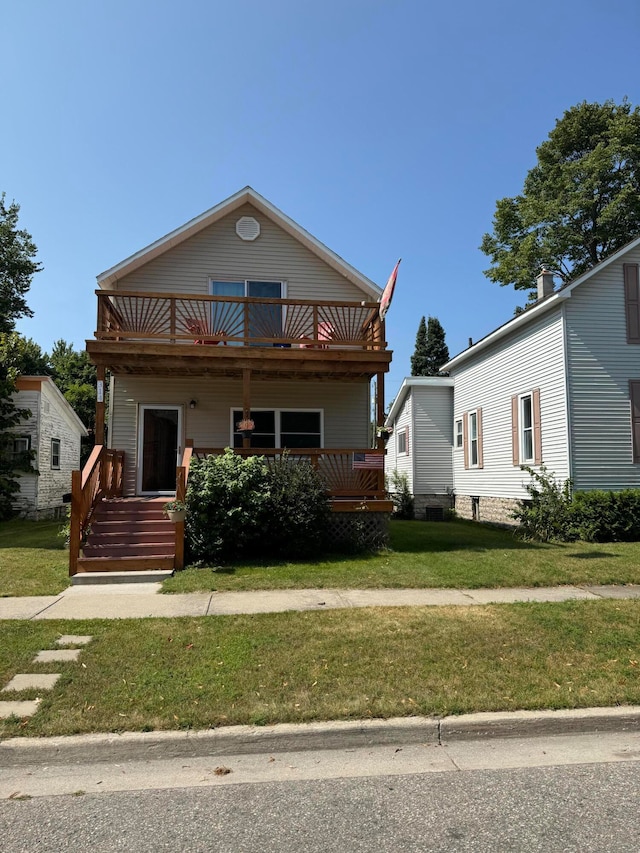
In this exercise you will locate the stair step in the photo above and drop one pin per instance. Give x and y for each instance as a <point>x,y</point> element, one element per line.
<point>130,536</point>
<point>134,550</point>
<point>102,577</point>
<point>124,564</point>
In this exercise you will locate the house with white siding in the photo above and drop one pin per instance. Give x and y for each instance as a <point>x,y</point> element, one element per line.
<point>53,433</point>
<point>238,315</point>
<point>559,386</point>
<point>421,445</point>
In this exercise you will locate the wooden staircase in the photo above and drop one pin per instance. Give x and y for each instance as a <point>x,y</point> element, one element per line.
<point>129,534</point>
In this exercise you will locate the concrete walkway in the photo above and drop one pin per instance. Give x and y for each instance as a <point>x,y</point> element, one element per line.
<point>133,601</point>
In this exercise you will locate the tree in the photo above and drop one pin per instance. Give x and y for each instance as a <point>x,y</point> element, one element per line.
<point>17,267</point>
<point>24,355</point>
<point>10,418</point>
<point>431,351</point>
<point>580,203</point>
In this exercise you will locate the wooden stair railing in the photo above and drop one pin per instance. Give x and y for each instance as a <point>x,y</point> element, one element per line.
<point>182,475</point>
<point>101,477</point>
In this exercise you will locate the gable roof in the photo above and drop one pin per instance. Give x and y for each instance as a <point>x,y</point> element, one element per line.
<point>410,382</point>
<point>245,196</point>
<point>527,316</point>
<point>34,383</point>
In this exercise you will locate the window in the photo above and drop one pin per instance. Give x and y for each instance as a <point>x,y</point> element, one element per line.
<point>281,428</point>
<point>473,439</point>
<point>402,446</point>
<point>526,435</point>
<point>21,445</point>
<point>55,452</point>
<point>457,433</point>
<point>526,428</point>
<point>264,320</point>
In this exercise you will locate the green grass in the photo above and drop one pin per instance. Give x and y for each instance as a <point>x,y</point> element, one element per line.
<point>294,667</point>
<point>33,560</point>
<point>423,554</point>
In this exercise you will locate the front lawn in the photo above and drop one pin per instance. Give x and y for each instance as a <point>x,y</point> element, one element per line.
<point>33,560</point>
<point>429,554</point>
<point>149,674</point>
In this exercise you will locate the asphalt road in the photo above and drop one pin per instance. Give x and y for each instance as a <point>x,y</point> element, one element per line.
<point>405,799</point>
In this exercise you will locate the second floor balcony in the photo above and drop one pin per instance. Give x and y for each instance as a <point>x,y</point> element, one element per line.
<point>224,333</point>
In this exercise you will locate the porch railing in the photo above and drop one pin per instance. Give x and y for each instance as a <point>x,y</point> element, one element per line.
<point>100,477</point>
<point>238,321</point>
<point>182,476</point>
<point>347,473</point>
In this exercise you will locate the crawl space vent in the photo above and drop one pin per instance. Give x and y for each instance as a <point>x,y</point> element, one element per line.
<point>247,228</point>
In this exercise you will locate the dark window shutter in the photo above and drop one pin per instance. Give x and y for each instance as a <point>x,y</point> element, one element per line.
<point>634,394</point>
<point>632,303</point>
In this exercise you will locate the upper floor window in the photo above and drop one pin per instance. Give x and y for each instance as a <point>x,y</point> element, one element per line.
<point>402,439</point>
<point>55,452</point>
<point>526,428</point>
<point>264,320</point>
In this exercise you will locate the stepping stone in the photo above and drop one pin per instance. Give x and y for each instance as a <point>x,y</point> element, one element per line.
<point>29,681</point>
<point>18,709</point>
<point>73,640</point>
<point>55,655</point>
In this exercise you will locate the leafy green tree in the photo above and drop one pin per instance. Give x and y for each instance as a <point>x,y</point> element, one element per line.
<point>75,376</point>
<point>431,351</point>
<point>24,355</point>
<point>580,202</point>
<point>17,266</point>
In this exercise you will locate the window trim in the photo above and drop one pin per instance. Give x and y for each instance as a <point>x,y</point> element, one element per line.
<point>458,436</point>
<point>518,428</point>
<point>404,432</point>
<point>522,429</point>
<point>473,420</point>
<point>55,467</point>
<point>277,421</point>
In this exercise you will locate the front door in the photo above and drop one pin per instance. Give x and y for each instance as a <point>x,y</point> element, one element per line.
<point>159,449</point>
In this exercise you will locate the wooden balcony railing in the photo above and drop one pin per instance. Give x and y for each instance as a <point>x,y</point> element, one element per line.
<point>238,321</point>
<point>100,477</point>
<point>355,474</point>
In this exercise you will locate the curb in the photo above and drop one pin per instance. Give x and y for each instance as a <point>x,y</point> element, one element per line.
<point>291,737</point>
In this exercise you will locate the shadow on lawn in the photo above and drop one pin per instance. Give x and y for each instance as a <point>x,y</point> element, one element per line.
<point>39,535</point>
<point>593,555</point>
<point>431,536</point>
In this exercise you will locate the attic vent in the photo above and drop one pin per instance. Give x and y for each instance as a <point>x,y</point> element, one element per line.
<point>247,228</point>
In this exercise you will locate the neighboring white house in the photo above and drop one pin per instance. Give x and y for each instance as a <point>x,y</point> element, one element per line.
<point>421,445</point>
<point>53,431</point>
<point>558,385</point>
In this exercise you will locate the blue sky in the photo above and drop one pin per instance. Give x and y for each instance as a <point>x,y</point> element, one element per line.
<point>386,128</point>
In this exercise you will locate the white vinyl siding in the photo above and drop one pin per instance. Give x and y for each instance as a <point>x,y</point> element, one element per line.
<point>345,407</point>
<point>532,357</point>
<point>402,463</point>
<point>601,364</point>
<point>432,416</point>
<point>218,253</point>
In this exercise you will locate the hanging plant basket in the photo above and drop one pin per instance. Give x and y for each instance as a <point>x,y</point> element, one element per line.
<point>176,515</point>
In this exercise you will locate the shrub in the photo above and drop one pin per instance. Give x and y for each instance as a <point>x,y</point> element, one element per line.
<point>600,516</point>
<point>547,514</point>
<point>241,507</point>
<point>298,510</point>
<point>401,496</point>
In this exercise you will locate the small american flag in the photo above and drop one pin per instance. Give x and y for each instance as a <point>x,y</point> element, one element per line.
<point>368,460</point>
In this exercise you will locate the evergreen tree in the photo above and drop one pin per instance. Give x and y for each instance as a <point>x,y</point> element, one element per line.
<point>419,357</point>
<point>431,351</point>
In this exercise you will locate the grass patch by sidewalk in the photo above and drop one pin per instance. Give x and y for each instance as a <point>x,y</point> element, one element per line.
<point>33,560</point>
<point>428,554</point>
<point>294,667</point>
